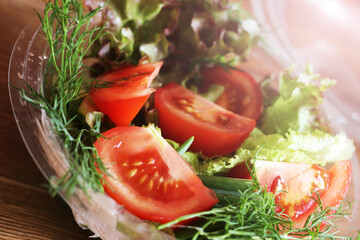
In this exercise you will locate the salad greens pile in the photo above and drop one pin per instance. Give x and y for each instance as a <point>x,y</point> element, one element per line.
<point>186,35</point>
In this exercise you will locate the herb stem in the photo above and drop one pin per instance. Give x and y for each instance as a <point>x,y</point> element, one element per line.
<point>69,34</point>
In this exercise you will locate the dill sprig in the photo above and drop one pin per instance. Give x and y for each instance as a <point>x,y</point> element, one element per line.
<point>247,211</point>
<point>253,216</point>
<point>70,35</point>
<point>243,219</point>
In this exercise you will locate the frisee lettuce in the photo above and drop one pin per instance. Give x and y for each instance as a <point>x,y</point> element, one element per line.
<point>315,147</point>
<point>186,34</point>
<point>136,30</point>
<point>297,105</point>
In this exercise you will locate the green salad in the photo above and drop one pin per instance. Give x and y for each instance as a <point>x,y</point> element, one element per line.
<point>152,102</point>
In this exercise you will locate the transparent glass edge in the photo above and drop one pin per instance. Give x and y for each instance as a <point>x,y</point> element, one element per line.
<point>99,213</point>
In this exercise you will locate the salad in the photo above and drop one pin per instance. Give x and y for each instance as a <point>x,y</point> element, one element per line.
<point>152,104</point>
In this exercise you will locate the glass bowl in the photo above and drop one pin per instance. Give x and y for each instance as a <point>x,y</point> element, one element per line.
<point>99,212</point>
<point>325,34</point>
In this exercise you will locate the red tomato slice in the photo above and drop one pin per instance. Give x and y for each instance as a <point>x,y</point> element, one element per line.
<point>296,183</point>
<point>149,177</point>
<point>242,93</point>
<point>126,92</point>
<point>340,177</point>
<point>183,114</point>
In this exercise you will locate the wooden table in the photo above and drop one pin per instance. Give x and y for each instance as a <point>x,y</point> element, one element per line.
<point>26,209</point>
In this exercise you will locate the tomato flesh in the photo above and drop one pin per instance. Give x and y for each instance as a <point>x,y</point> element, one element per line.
<point>340,178</point>
<point>242,94</point>
<point>294,185</point>
<point>149,177</point>
<point>124,92</point>
<point>183,114</point>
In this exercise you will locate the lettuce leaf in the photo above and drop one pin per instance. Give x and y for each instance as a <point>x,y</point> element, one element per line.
<point>315,147</point>
<point>136,30</point>
<point>297,105</point>
<point>208,32</point>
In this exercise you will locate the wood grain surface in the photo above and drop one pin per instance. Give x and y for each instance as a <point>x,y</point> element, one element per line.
<point>26,209</point>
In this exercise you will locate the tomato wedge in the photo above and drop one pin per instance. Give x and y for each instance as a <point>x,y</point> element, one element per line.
<point>149,177</point>
<point>124,92</point>
<point>183,114</point>
<point>242,93</point>
<point>340,178</point>
<point>298,181</point>
<point>294,185</point>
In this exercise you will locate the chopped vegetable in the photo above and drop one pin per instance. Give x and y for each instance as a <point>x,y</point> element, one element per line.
<point>340,177</point>
<point>149,177</point>
<point>216,130</point>
<point>295,185</point>
<point>121,93</point>
<point>242,94</point>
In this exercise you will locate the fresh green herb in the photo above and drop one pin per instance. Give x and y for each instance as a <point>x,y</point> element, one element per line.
<point>70,35</point>
<point>247,211</point>
<point>185,146</point>
<point>227,190</point>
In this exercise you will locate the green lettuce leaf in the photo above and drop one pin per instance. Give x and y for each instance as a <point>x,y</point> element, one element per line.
<point>315,147</point>
<point>208,32</point>
<point>136,30</point>
<point>297,105</point>
<point>138,11</point>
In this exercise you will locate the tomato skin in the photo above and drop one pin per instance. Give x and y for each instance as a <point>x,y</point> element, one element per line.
<point>183,114</point>
<point>241,171</point>
<point>299,181</point>
<point>127,92</point>
<point>149,177</point>
<point>242,93</point>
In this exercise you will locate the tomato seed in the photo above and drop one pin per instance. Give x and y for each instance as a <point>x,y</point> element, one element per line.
<point>151,161</point>
<point>150,185</point>
<point>142,179</point>
<point>222,119</point>
<point>188,109</point>
<point>132,172</point>
<point>183,101</point>
<point>137,163</point>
